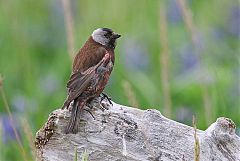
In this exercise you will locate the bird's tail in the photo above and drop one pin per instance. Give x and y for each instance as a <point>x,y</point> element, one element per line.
<point>66,103</point>
<point>74,120</point>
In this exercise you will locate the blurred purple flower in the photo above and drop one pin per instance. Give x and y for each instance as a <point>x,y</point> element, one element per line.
<point>173,12</point>
<point>218,34</point>
<point>49,83</point>
<point>234,21</point>
<point>19,103</point>
<point>189,59</point>
<point>232,26</point>
<point>8,133</point>
<point>184,115</point>
<point>234,89</point>
<point>136,56</point>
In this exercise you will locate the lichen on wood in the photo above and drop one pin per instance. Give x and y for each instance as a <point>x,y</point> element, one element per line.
<point>125,133</point>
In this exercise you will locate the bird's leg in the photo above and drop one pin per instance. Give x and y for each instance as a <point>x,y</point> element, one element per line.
<point>97,102</point>
<point>108,98</point>
<point>90,113</point>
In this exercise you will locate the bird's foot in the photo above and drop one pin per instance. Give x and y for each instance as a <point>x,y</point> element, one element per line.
<point>89,111</point>
<point>100,103</point>
<point>103,106</point>
<point>97,103</point>
<point>108,98</point>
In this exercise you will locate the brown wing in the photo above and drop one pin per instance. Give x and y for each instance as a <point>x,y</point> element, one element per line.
<point>79,81</point>
<point>89,55</point>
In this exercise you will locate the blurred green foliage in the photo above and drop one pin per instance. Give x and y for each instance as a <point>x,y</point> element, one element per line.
<point>35,64</point>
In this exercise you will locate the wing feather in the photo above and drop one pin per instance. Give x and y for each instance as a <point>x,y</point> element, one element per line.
<point>79,81</point>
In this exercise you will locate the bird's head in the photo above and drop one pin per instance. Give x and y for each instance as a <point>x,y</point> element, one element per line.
<point>106,37</point>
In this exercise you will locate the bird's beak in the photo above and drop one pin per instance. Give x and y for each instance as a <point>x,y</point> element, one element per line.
<point>116,35</point>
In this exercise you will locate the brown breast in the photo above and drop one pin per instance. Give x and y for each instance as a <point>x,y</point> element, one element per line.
<point>90,54</point>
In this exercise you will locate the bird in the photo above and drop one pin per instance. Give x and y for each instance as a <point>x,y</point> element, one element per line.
<point>91,70</point>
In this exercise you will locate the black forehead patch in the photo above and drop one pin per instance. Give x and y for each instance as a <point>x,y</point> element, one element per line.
<point>107,30</point>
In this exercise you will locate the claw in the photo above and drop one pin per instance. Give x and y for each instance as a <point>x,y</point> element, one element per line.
<point>108,98</point>
<point>103,107</point>
<point>90,113</point>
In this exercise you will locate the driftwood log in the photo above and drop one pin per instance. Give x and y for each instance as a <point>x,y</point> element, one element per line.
<point>123,133</point>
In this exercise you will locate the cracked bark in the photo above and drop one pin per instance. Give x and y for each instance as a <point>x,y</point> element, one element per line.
<point>129,134</point>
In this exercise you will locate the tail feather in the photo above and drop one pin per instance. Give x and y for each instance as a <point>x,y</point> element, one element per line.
<point>66,103</point>
<point>74,120</point>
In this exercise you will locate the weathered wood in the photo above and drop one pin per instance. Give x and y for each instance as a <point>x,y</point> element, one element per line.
<point>128,134</point>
